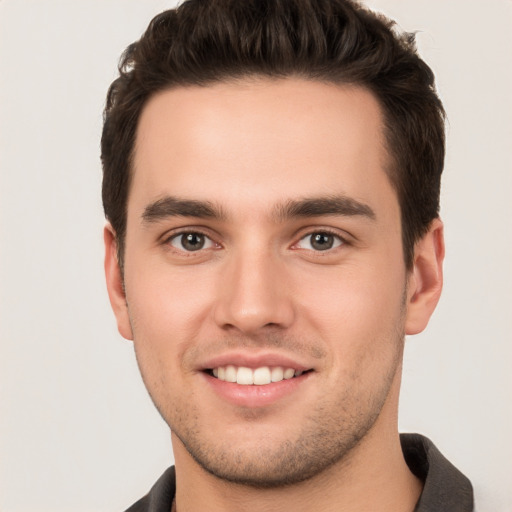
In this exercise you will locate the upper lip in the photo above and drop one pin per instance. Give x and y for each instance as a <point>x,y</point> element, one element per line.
<point>253,361</point>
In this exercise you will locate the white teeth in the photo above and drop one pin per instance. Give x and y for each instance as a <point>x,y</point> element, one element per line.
<point>244,376</point>
<point>277,374</point>
<point>258,376</point>
<point>230,375</point>
<point>262,376</point>
<point>289,373</point>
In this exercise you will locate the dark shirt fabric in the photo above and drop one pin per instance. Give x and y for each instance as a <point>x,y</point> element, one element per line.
<point>445,489</point>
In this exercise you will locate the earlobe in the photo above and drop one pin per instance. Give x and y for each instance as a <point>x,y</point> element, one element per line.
<point>426,278</point>
<point>115,284</point>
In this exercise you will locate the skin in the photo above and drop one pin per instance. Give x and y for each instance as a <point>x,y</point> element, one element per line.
<point>260,290</point>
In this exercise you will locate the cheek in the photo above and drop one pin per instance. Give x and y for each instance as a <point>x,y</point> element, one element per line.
<point>164,313</point>
<point>358,311</point>
<point>165,306</point>
<point>169,313</point>
<point>351,294</point>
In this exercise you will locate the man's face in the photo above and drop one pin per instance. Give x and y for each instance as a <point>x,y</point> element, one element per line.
<point>264,240</point>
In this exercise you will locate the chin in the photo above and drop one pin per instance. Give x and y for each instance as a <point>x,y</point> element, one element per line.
<point>260,464</point>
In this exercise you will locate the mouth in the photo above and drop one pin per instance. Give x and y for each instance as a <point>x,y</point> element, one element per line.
<point>256,381</point>
<point>261,376</point>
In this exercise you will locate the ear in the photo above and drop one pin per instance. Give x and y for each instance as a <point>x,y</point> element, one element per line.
<point>115,284</point>
<point>426,278</point>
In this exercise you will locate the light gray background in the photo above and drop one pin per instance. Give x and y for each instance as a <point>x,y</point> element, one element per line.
<point>77,430</point>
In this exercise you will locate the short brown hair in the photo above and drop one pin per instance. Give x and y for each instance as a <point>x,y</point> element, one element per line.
<point>336,41</point>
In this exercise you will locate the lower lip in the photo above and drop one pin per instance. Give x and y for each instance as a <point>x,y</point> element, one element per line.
<point>253,395</point>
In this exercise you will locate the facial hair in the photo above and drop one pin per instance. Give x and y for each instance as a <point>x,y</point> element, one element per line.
<point>329,432</point>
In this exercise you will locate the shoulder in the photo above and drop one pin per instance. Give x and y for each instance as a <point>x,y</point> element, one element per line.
<point>445,489</point>
<point>160,496</point>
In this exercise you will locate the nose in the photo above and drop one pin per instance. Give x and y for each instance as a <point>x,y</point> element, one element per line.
<point>253,294</point>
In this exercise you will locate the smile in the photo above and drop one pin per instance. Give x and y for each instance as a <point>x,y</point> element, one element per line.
<point>258,376</point>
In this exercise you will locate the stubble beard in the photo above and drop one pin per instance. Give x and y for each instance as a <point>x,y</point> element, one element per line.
<point>327,437</point>
<point>320,445</point>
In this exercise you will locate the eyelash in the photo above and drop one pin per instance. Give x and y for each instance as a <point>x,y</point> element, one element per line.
<point>176,235</point>
<point>321,231</point>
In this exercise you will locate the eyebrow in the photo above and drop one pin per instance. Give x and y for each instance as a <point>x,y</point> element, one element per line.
<point>330,205</point>
<point>174,207</point>
<point>170,206</point>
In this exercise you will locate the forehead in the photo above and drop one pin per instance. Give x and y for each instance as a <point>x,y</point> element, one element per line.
<point>260,141</point>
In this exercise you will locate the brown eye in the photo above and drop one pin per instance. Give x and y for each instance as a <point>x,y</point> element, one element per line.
<point>190,242</point>
<point>320,241</point>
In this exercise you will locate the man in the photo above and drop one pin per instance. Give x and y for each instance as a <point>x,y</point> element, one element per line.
<point>271,184</point>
